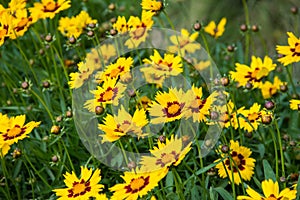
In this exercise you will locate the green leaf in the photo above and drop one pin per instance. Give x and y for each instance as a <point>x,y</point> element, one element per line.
<point>224,194</point>
<point>261,150</point>
<point>268,171</point>
<point>170,181</point>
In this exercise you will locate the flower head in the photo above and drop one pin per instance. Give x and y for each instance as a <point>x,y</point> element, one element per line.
<point>253,74</point>
<point>216,30</point>
<point>269,89</point>
<point>48,8</point>
<point>12,130</point>
<point>169,106</point>
<point>295,104</point>
<point>152,5</point>
<point>109,93</point>
<point>166,154</point>
<point>271,192</point>
<point>79,78</point>
<point>118,69</point>
<point>291,53</point>
<point>243,164</point>
<point>84,187</point>
<point>137,184</point>
<point>184,43</point>
<point>123,124</point>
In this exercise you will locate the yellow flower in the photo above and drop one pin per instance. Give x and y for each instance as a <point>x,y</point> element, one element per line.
<point>253,74</point>
<point>137,184</point>
<point>139,29</point>
<point>152,77</point>
<point>165,155</point>
<point>243,164</point>
<point>152,5</point>
<point>291,53</point>
<point>216,30</point>
<point>121,25</point>
<point>100,56</point>
<point>79,78</point>
<point>251,118</point>
<point>198,107</point>
<point>143,102</point>
<point>84,187</point>
<point>118,69</point>
<point>271,192</point>
<point>184,43</point>
<point>168,107</point>
<point>14,129</point>
<point>74,26</point>
<point>202,64</point>
<point>123,124</point>
<point>48,8</point>
<point>295,104</point>
<point>109,93</point>
<point>170,65</point>
<point>269,89</point>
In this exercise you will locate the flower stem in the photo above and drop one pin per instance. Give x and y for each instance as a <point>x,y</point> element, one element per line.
<point>276,154</point>
<point>289,73</point>
<point>280,150</point>
<point>247,39</point>
<point>178,183</point>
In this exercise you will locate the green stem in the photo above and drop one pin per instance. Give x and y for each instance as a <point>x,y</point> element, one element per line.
<point>44,104</point>
<point>280,150</point>
<point>247,39</point>
<point>178,183</point>
<point>5,175</point>
<point>276,154</point>
<point>68,155</point>
<point>291,79</point>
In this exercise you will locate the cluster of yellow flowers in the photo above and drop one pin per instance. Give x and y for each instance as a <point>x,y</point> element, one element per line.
<point>17,18</point>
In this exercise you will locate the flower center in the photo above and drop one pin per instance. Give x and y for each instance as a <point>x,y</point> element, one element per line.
<point>297,48</point>
<point>78,188</point>
<point>272,197</point>
<point>139,31</point>
<point>15,131</point>
<point>137,184</point>
<point>173,108</point>
<point>239,162</point>
<point>50,7</point>
<point>167,159</point>
<point>115,72</point>
<point>253,117</point>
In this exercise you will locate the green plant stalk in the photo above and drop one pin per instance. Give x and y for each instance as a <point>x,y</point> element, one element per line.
<point>36,171</point>
<point>281,151</point>
<point>289,73</point>
<point>178,183</point>
<point>247,39</point>
<point>276,154</point>
<point>68,155</point>
<point>44,104</point>
<point>123,152</point>
<point>5,175</point>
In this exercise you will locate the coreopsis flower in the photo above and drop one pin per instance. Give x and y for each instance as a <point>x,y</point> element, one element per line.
<point>116,126</point>
<point>85,187</point>
<point>172,152</point>
<point>295,104</point>
<point>137,184</point>
<point>198,107</point>
<point>201,65</point>
<point>75,26</point>
<point>269,89</point>
<point>151,77</point>
<point>184,43</point>
<point>270,190</point>
<point>118,69</point>
<point>139,29</point>
<point>226,115</point>
<point>109,93</point>
<point>216,30</point>
<point>48,8</point>
<point>121,25</point>
<point>79,78</point>
<point>251,118</point>
<point>240,165</point>
<point>152,5</point>
<point>100,56</point>
<point>168,106</point>
<point>19,23</point>
<point>12,130</point>
<point>143,102</point>
<point>254,73</point>
<point>170,65</point>
<point>291,53</point>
